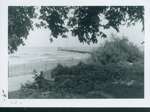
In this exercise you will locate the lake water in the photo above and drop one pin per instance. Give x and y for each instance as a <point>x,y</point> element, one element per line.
<point>27,59</point>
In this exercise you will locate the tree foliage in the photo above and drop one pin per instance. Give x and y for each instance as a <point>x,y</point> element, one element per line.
<point>85,22</point>
<point>55,17</point>
<point>19,25</point>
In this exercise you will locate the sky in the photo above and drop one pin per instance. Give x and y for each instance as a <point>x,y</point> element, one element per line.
<point>40,37</point>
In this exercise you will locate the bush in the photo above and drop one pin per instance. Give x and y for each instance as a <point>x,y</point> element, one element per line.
<point>83,77</point>
<point>40,83</point>
<point>116,51</point>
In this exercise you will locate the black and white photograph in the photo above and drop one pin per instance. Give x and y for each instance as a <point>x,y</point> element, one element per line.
<point>76,52</point>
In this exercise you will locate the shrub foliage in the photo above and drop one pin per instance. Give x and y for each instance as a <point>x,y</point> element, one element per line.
<point>116,51</point>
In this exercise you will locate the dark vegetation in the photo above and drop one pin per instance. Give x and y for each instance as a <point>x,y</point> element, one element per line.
<point>114,70</point>
<point>19,24</point>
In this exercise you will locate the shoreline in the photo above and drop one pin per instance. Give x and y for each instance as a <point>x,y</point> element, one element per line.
<point>25,74</point>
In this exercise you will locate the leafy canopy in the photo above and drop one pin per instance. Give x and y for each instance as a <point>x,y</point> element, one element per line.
<point>19,25</point>
<point>85,22</point>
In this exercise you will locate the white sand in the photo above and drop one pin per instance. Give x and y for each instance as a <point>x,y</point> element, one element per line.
<point>16,82</point>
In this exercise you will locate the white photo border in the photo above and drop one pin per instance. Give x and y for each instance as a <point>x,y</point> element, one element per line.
<point>5,102</point>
